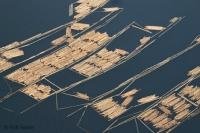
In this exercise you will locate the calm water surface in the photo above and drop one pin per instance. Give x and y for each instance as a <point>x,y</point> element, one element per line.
<point>23,18</point>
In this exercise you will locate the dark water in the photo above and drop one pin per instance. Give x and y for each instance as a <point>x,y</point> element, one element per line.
<point>22,19</point>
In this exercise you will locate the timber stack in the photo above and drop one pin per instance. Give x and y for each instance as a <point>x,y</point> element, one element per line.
<point>78,49</point>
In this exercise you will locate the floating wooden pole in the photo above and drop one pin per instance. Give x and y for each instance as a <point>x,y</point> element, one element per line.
<point>145,40</point>
<point>129,93</point>
<point>111,9</point>
<point>79,26</point>
<point>154,28</point>
<point>82,96</point>
<point>148,99</point>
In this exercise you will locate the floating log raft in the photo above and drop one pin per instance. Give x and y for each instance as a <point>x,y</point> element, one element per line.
<point>119,111</point>
<point>108,108</point>
<point>169,124</point>
<point>168,99</point>
<point>129,93</point>
<point>12,53</point>
<point>62,58</point>
<point>153,115</point>
<point>146,113</point>
<point>148,99</point>
<point>5,64</point>
<point>111,9</point>
<point>174,19</point>
<point>79,26</point>
<point>192,93</point>
<point>194,71</point>
<point>182,115</point>
<point>159,118</point>
<point>169,112</point>
<point>179,105</point>
<point>69,35</point>
<point>7,55</point>
<point>174,102</point>
<point>161,123</point>
<point>101,104</point>
<point>182,107</point>
<point>86,6</point>
<point>10,46</point>
<point>145,40</point>
<point>38,92</point>
<point>127,101</point>
<point>165,110</point>
<point>198,39</point>
<point>154,28</point>
<point>82,96</point>
<point>99,62</point>
<point>59,41</point>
